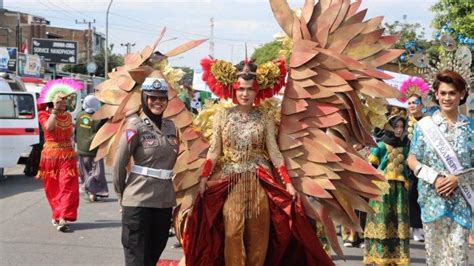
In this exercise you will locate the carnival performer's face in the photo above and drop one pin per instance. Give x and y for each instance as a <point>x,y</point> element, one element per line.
<point>245,94</point>
<point>398,130</point>
<point>61,99</point>
<point>157,104</point>
<point>448,97</point>
<point>415,106</point>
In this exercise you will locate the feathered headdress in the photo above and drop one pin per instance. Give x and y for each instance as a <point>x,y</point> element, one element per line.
<point>222,77</point>
<point>454,57</point>
<point>413,86</point>
<point>53,87</point>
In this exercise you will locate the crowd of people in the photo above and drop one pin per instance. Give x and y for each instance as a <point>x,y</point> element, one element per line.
<point>252,193</point>
<point>420,198</point>
<point>246,209</point>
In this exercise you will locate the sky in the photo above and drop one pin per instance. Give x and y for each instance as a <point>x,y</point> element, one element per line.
<point>236,21</point>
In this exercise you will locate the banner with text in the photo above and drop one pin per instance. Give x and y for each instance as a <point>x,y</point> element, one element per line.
<point>55,51</point>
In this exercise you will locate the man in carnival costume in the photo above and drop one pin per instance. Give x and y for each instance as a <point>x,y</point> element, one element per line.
<point>58,165</point>
<point>441,149</point>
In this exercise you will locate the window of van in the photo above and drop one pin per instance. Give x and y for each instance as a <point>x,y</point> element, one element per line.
<point>17,106</point>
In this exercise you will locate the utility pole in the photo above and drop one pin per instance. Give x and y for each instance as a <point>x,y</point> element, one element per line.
<point>129,46</point>
<point>211,41</point>
<point>89,37</point>
<point>106,64</point>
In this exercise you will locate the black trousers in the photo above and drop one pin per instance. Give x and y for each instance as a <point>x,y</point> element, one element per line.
<point>414,207</point>
<point>144,234</point>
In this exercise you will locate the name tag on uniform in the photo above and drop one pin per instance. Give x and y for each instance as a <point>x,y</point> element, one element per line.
<point>149,140</point>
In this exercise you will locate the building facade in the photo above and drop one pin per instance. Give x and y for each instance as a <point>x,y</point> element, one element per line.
<point>17,29</point>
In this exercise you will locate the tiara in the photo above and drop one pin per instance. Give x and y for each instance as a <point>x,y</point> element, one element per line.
<point>454,57</point>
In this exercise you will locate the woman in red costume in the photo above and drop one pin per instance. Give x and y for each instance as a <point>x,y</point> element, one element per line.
<point>244,216</point>
<point>58,167</point>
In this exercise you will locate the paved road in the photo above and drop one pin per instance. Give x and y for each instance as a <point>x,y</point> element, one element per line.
<point>28,238</point>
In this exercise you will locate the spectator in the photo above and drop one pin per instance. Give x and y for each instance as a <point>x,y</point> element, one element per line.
<point>387,229</point>
<point>92,172</point>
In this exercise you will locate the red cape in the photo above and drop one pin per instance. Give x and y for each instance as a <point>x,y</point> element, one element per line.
<point>292,241</point>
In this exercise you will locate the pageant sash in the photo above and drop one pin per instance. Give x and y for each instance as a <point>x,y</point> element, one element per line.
<point>436,139</point>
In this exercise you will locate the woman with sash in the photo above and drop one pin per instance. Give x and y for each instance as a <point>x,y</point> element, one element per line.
<point>445,212</point>
<point>387,233</point>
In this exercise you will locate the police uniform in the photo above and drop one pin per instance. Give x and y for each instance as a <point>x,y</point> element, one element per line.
<point>146,194</point>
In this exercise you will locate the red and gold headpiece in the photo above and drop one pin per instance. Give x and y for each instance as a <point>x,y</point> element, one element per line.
<point>223,78</point>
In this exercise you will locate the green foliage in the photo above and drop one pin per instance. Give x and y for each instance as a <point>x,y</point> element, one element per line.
<point>458,14</point>
<point>411,33</point>
<point>114,60</point>
<point>267,52</point>
<point>407,32</point>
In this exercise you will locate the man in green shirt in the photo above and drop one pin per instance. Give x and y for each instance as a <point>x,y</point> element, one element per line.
<point>92,172</point>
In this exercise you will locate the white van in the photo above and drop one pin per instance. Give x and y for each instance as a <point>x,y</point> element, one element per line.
<point>19,128</point>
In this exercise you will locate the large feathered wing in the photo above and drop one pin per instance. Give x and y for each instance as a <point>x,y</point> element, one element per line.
<point>121,97</point>
<point>334,59</point>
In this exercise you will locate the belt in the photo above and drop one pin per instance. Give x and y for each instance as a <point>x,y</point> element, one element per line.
<point>152,172</point>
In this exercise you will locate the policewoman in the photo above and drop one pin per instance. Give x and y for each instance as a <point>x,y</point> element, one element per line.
<point>146,194</point>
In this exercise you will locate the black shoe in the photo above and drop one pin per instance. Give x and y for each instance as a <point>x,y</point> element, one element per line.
<point>63,226</point>
<point>177,245</point>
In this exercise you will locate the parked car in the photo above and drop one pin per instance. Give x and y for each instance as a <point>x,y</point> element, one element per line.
<point>19,128</point>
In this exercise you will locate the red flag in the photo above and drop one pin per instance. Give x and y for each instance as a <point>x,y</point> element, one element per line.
<point>24,47</point>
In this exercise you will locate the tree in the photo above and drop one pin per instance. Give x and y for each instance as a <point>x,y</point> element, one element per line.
<point>412,40</point>
<point>412,36</point>
<point>458,15</point>
<point>268,52</point>
<point>114,60</point>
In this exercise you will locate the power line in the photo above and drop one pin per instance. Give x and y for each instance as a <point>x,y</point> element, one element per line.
<point>49,9</point>
<point>188,32</point>
<point>217,40</point>
<point>113,37</point>
<point>148,24</point>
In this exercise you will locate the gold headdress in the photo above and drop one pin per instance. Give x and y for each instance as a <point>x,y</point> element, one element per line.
<point>454,57</point>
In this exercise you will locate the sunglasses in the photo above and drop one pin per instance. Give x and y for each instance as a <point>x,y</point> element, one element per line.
<point>158,98</point>
<point>415,102</point>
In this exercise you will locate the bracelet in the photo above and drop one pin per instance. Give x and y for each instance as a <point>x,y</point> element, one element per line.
<point>417,169</point>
